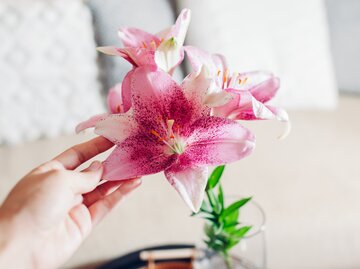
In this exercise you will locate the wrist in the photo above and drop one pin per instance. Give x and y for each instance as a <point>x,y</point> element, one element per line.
<point>13,253</point>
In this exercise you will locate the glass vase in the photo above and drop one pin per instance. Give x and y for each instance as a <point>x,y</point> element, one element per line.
<point>250,253</point>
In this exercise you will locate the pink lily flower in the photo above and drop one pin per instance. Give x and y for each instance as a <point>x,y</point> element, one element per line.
<point>115,105</point>
<point>240,96</point>
<point>165,49</point>
<point>169,129</point>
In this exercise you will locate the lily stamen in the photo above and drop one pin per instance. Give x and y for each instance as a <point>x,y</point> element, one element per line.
<point>172,140</point>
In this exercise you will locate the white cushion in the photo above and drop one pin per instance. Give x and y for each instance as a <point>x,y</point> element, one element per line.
<point>48,72</point>
<point>287,37</point>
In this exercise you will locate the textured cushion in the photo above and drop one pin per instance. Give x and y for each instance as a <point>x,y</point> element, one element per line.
<point>288,37</point>
<point>109,15</point>
<point>48,72</point>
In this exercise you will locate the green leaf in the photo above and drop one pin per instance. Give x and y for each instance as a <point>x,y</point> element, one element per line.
<point>232,242</point>
<point>211,219</point>
<point>234,207</point>
<point>205,207</point>
<point>232,217</point>
<point>221,197</point>
<point>214,202</point>
<point>241,232</point>
<point>231,224</point>
<point>209,231</point>
<point>215,177</point>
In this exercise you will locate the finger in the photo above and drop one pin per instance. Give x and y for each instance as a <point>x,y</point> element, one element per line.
<point>79,221</point>
<point>78,199</point>
<point>101,191</point>
<point>102,207</point>
<point>80,153</point>
<point>87,180</point>
<point>48,166</point>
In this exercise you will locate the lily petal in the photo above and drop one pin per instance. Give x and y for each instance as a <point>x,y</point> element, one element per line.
<point>137,56</point>
<point>198,58</point>
<point>219,61</point>
<point>218,98</point>
<point>136,156</point>
<point>116,127</point>
<point>190,183</point>
<point>244,106</point>
<point>262,85</point>
<point>126,90</point>
<point>156,97</point>
<point>90,123</point>
<point>195,87</point>
<point>134,37</point>
<point>266,90</point>
<point>280,113</point>
<point>181,26</point>
<point>113,51</point>
<point>169,55</point>
<point>114,99</point>
<point>110,50</point>
<point>215,141</point>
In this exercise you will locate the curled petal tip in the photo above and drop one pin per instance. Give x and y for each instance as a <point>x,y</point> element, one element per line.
<point>185,14</point>
<point>286,132</point>
<point>109,50</point>
<point>90,123</point>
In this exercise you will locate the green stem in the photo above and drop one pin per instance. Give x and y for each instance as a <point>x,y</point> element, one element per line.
<point>228,260</point>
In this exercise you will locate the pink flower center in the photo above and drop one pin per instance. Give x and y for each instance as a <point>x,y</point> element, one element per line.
<point>174,142</point>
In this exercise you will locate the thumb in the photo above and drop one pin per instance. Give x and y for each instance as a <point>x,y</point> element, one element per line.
<point>88,179</point>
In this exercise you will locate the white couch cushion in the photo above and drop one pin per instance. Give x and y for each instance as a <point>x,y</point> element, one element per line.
<point>287,37</point>
<point>48,72</point>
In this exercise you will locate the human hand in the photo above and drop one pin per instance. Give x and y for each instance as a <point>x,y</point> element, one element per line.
<point>52,209</point>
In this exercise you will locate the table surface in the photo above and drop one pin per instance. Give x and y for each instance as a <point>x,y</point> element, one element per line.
<point>308,185</point>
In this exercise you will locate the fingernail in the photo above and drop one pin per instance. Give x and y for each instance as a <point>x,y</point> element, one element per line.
<point>96,165</point>
<point>135,182</point>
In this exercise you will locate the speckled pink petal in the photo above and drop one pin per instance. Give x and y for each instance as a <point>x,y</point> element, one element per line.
<point>90,123</point>
<point>133,37</point>
<point>215,141</point>
<point>137,156</point>
<point>116,127</point>
<point>190,183</point>
<point>114,99</point>
<point>157,97</point>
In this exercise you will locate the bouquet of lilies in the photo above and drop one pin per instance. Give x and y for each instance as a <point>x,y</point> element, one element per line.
<point>181,129</point>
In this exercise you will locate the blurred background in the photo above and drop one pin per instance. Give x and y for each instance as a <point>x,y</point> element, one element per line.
<point>51,78</point>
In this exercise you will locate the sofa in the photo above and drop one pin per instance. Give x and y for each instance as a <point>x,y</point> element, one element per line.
<point>307,184</point>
